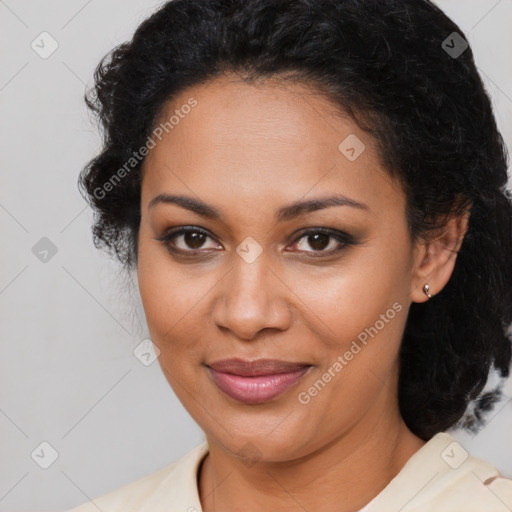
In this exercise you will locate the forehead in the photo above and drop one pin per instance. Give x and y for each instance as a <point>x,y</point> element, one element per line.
<point>260,141</point>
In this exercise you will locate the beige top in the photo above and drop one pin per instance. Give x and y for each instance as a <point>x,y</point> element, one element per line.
<point>439,477</point>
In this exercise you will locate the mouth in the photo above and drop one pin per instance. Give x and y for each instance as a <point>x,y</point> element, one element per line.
<point>258,381</point>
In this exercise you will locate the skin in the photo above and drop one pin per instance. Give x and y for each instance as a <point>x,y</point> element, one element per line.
<point>249,150</point>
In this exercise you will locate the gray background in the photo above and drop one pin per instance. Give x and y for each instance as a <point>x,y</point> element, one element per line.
<point>69,325</point>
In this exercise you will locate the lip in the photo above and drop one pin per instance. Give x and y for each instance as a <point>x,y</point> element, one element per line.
<point>258,381</point>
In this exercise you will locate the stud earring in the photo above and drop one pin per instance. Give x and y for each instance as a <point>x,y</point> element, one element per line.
<point>426,289</point>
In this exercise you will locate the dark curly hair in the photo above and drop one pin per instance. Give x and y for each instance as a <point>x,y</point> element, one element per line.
<point>386,63</point>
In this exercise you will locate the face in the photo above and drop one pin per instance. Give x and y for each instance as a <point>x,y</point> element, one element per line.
<point>268,268</point>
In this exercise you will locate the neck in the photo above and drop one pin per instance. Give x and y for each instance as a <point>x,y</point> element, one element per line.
<point>342,476</point>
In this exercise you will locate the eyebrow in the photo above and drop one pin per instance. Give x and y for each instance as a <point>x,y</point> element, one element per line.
<point>282,214</point>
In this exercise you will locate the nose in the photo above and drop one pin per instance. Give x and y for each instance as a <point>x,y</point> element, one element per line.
<point>252,298</point>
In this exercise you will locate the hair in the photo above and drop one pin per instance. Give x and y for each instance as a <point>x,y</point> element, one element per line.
<point>384,63</point>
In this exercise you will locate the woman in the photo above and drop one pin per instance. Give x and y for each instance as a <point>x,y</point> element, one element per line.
<point>312,193</point>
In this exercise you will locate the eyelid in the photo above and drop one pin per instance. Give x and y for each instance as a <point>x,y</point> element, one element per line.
<point>320,229</point>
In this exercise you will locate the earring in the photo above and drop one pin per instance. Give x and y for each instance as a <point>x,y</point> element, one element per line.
<point>426,289</point>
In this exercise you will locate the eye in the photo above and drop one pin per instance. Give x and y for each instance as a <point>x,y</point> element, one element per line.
<point>191,240</point>
<point>188,239</point>
<point>323,241</point>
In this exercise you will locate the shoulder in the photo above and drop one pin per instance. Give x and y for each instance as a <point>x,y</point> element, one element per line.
<point>444,477</point>
<point>174,484</point>
<point>475,485</point>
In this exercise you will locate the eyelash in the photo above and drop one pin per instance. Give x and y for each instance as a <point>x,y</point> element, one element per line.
<point>344,239</point>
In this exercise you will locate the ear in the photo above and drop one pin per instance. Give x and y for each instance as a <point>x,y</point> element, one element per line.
<point>434,257</point>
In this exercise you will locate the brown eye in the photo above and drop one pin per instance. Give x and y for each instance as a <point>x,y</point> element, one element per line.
<point>318,241</point>
<point>187,240</point>
<point>194,239</point>
<point>323,241</point>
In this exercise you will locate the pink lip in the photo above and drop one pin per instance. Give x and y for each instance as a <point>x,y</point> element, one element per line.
<point>255,382</point>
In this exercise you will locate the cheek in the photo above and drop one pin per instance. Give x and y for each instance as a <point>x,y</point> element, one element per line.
<point>344,300</point>
<point>164,294</point>
<point>358,319</point>
<point>174,298</point>
<point>168,304</point>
